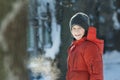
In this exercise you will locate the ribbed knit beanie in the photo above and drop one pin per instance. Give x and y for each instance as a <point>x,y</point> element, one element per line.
<point>80,19</point>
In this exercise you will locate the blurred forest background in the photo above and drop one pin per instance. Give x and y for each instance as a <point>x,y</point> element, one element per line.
<point>104,15</point>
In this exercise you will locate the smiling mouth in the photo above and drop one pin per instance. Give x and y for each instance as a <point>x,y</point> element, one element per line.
<point>77,35</point>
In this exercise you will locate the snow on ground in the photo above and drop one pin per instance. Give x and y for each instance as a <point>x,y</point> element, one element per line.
<point>111,65</point>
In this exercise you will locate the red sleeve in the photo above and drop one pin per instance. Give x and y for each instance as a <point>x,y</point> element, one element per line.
<point>94,62</point>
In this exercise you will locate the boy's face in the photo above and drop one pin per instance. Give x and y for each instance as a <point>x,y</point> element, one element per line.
<point>77,32</point>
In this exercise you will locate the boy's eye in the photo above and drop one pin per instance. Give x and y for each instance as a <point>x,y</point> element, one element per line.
<point>74,28</point>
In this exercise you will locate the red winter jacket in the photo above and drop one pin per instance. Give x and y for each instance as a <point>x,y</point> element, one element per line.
<point>85,58</point>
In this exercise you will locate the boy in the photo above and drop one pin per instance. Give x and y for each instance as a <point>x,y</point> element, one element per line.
<point>85,53</point>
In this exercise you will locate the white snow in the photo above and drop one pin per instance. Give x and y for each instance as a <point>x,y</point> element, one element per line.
<point>44,67</point>
<point>115,20</point>
<point>111,65</point>
<point>44,64</point>
<point>56,29</point>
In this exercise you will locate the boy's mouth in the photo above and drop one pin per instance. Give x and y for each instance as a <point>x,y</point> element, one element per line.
<point>77,35</point>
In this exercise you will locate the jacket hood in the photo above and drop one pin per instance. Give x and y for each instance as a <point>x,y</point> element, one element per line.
<point>91,36</point>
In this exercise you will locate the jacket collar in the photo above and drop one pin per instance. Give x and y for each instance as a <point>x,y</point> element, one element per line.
<point>79,41</point>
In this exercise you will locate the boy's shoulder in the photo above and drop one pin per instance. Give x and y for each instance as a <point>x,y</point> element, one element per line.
<point>89,43</point>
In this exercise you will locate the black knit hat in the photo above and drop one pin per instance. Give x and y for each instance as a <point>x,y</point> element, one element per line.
<point>80,19</point>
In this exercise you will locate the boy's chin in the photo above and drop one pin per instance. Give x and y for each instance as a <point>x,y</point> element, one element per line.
<point>77,38</point>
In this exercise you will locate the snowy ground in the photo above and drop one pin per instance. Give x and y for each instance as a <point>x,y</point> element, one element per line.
<point>112,65</point>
